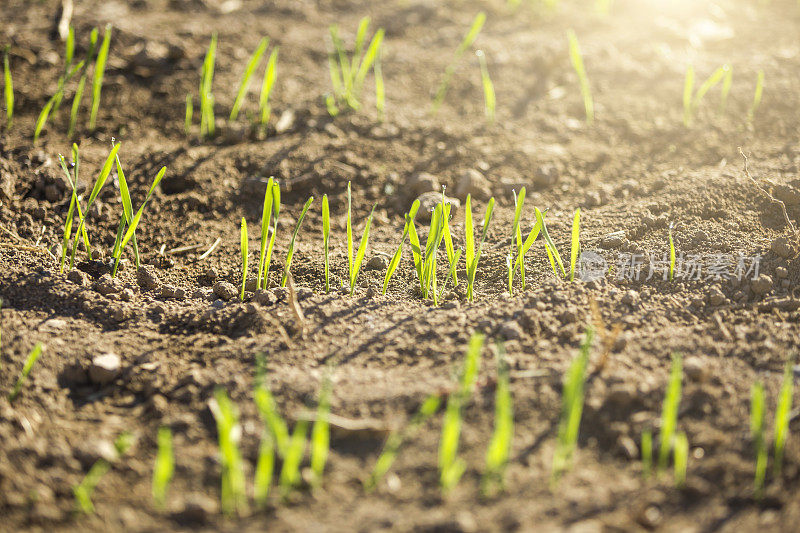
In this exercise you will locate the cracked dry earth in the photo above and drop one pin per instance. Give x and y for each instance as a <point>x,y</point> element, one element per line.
<point>148,349</point>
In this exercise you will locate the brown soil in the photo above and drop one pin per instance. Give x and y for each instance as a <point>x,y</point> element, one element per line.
<point>637,170</point>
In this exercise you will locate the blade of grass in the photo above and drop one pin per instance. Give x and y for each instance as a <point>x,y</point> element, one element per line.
<point>99,71</point>
<point>362,250</point>
<point>499,450</point>
<point>290,472</point>
<point>326,230</point>
<point>409,217</point>
<point>472,267</point>
<point>782,418</point>
<point>243,243</point>
<point>164,467</point>
<point>270,74</point>
<point>276,209</point>
<point>466,42</point>
<point>751,113</point>
<point>552,252</point>
<point>489,98</point>
<point>275,423</point>
<point>671,255</point>
<point>233,495</point>
<point>244,84</point>
<point>576,243</point>
<point>681,459</point>
<point>726,87</point>
<point>8,89</point>
<point>577,63</point>
<point>264,470</point>
<point>26,370</point>
<point>132,227</point>
<point>669,413</point>
<point>266,215</point>
<point>290,253</point>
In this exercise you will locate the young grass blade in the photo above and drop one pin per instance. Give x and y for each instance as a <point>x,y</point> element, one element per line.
<point>84,490</point>
<point>726,87</point>
<point>42,119</point>
<point>276,209</point>
<point>290,472</point>
<point>410,216</point>
<point>127,208</point>
<point>688,90</point>
<point>264,470</point>
<point>669,413</point>
<point>516,236</point>
<point>552,252</point>
<point>326,230</point>
<point>206,80</point>
<point>416,253</point>
<point>757,435</point>
<point>99,71</point>
<point>469,38</point>
<point>275,424</point>
<point>26,370</point>
<point>395,441</point>
<point>164,467</point>
<point>469,233</point>
<point>472,266</point>
<point>368,61</point>
<point>576,243</point>
<point>132,227</point>
<point>647,452</point>
<point>361,37</point>
<point>451,273</point>
<point>537,228</point>
<point>448,242</point>
<point>76,105</point>
<point>320,433</point>
<point>671,255</point>
<point>489,99</point>
<point>255,59</point>
<point>577,63</point>
<point>751,113</point>
<point>243,244</point>
<point>187,121</point>
<point>681,459</point>
<point>266,215</point>
<point>290,253</point>
<point>270,74</point>
<point>510,273</point>
<point>349,224</point>
<point>707,85</point>
<point>362,250</point>
<point>499,449</point>
<point>782,418</point>
<point>8,90</point>
<point>572,408</point>
<point>233,496</point>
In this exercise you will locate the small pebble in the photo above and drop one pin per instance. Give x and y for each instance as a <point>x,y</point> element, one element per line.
<point>762,285</point>
<point>224,290</point>
<point>146,277</point>
<point>376,262</point>
<point>104,368</point>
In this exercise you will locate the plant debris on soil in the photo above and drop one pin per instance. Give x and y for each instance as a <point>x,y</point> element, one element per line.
<point>147,349</point>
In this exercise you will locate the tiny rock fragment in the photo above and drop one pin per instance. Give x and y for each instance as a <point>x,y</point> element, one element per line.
<point>146,277</point>
<point>376,262</point>
<point>105,368</point>
<point>422,182</point>
<point>224,290</point>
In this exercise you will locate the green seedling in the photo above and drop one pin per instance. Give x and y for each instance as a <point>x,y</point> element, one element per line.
<point>510,270</point>
<point>425,265</point>
<point>276,426</point>
<point>264,470</point>
<point>348,74</point>
<point>671,255</point>
<point>516,240</point>
<point>751,113</point>
<point>669,413</point>
<point>233,496</point>
<point>354,263</point>
<point>577,63</point>
<point>326,231</point>
<point>8,90</point>
<point>469,38</point>
<point>164,467</point>
<point>647,453</point>
<point>243,243</point>
<point>207,124</point>
<point>244,84</point>
<point>681,459</point>
<point>409,217</point>
<point>576,243</point>
<point>572,408</point>
<point>472,255</point>
<point>74,203</point>
<point>499,449</point>
<point>757,412</point>
<point>187,121</point>
<point>127,217</point>
<point>320,433</point>
<point>489,99</point>
<point>550,248</point>
<point>522,249</point>
<point>99,71</point>
<point>266,215</point>
<point>26,370</point>
<point>396,439</point>
<point>290,472</point>
<point>84,490</point>
<point>131,231</point>
<point>98,185</point>
<point>726,88</point>
<point>78,97</point>
<point>692,103</point>
<point>270,74</point>
<point>290,253</point>
<point>452,467</point>
<point>783,415</point>
<point>41,120</point>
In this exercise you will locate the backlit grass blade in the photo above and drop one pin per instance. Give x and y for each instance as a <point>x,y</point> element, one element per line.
<point>552,252</point>
<point>532,236</point>
<point>138,216</point>
<point>266,215</point>
<point>252,63</point>
<point>416,252</point>
<point>206,98</point>
<point>576,243</point>
<point>361,38</point>
<point>349,230</point>
<point>362,250</point>
<point>499,450</point>
<point>396,439</point>
<point>757,411</point>
<point>707,85</point>
<point>276,209</point>
<point>26,370</point>
<point>84,490</point>
<point>243,245</point>
<point>669,413</point>
<point>472,266</point>
<point>99,72</point>
<point>489,99</point>
<point>751,113</point>
<point>76,105</point>
<point>688,90</point>
<point>290,472</point>
<point>782,417</point>
<point>326,230</point>
<point>368,61</point>
<point>290,253</point>
<point>572,408</point>
<point>726,88</point>
<point>127,207</point>
<point>264,471</point>
<point>164,467</point>
<point>270,74</point>
<point>671,255</point>
<point>469,38</point>
<point>42,120</point>
<point>469,232</point>
<point>320,433</point>
<point>516,236</point>
<point>681,459</point>
<point>448,242</point>
<point>410,216</point>
<point>233,495</point>
<point>275,423</point>
<point>8,90</point>
<point>577,63</point>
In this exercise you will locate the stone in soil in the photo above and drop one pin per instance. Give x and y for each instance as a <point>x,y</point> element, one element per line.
<point>146,277</point>
<point>421,183</point>
<point>225,290</point>
<point>376,262</point>
<point>105,368</point>
<point>473,183</point>
<point>761,285</point>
